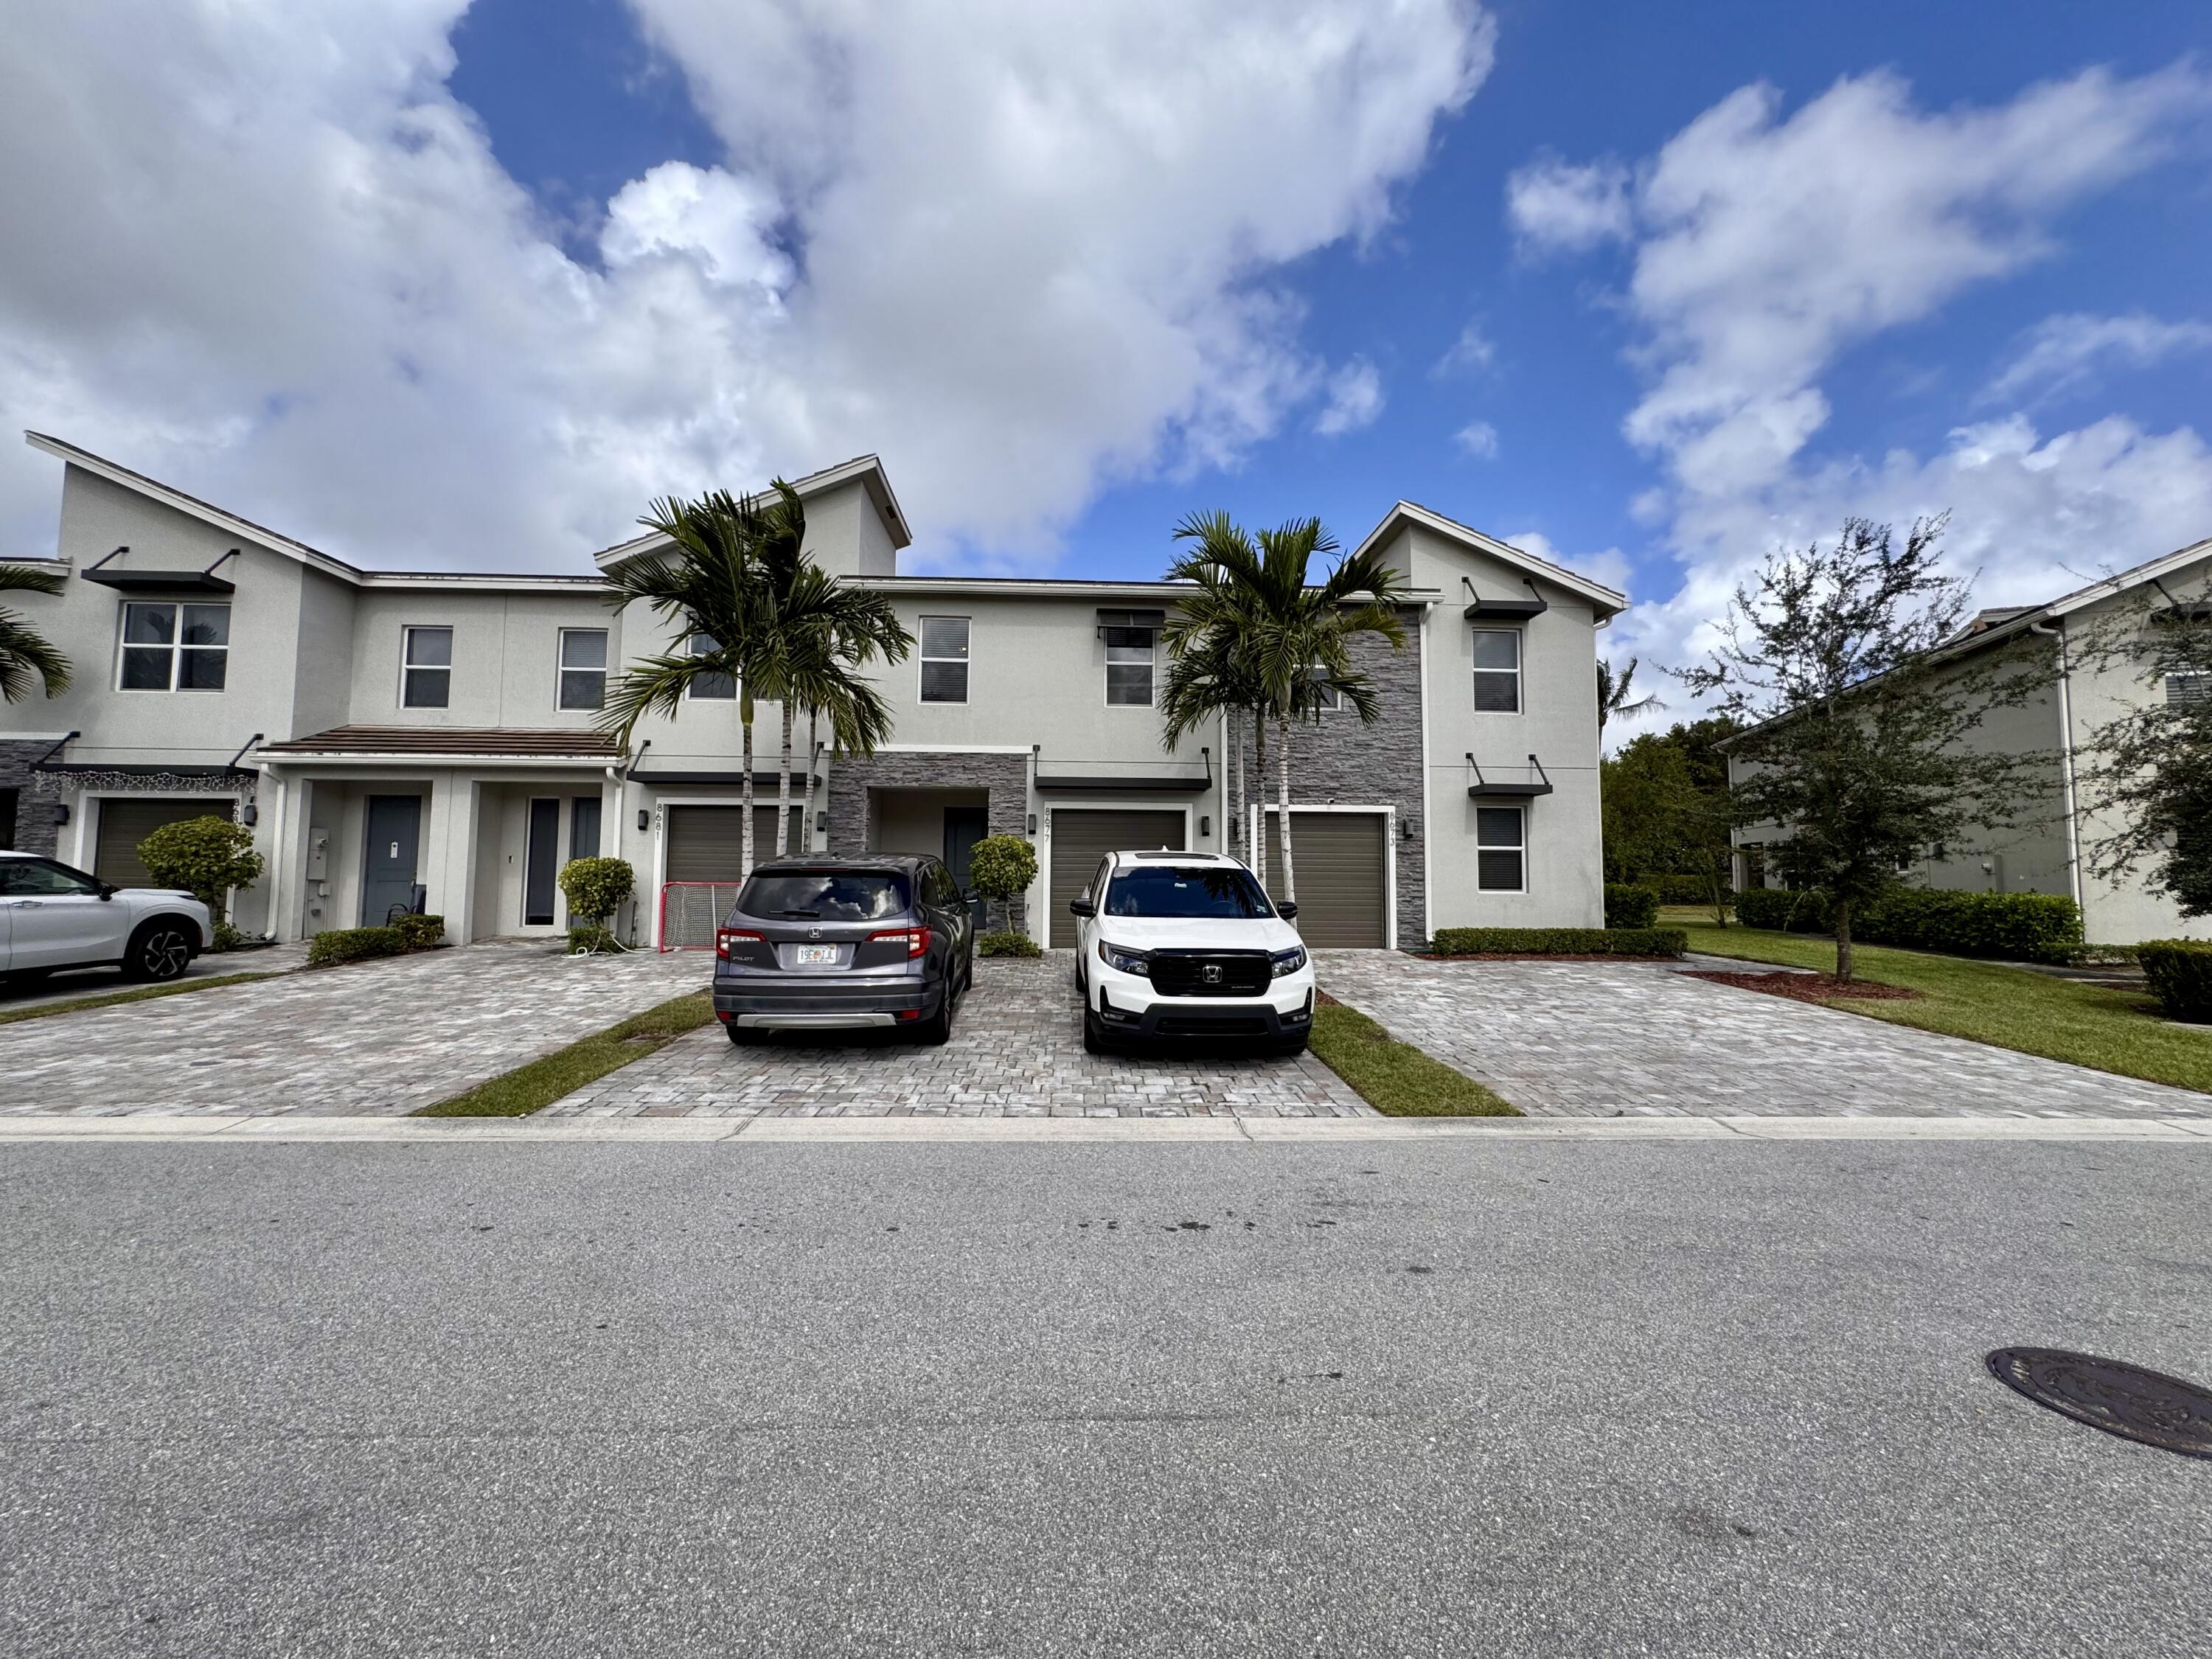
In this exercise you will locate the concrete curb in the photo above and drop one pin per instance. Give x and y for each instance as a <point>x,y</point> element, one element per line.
<point>2181,1131</point>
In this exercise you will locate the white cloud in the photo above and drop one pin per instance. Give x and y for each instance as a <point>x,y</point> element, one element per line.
<point>1019,251</point>
<point>1556,206</point>
<point>1610,567</point>
<point>1355,400</point>
<point>2065,352</point>
<point>1473,350</point>
<point>1478,439</point>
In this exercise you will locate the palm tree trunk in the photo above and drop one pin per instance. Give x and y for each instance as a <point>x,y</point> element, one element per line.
<point>745,830</point>
<point>783,786</point>
<point>813,759</point>
<point>1283,806</point>
<point>1231,774</point>
<point>1259,776</point>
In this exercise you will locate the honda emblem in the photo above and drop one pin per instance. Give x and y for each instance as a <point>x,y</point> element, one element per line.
<point>1211,974</point>
<point>814,933</point>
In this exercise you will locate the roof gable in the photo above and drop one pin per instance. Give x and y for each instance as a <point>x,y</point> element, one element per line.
<point>1605,600</point>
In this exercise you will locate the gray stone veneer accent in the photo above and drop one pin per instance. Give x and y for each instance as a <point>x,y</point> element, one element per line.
<point>1006,778</point>
<point>36,793</point>
<point>1338,759</point>
<point>41,792</point>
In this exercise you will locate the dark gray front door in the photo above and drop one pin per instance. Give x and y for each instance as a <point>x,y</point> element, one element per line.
<point>539,861</point>
<point>963,827</point>
<point>395,829</point>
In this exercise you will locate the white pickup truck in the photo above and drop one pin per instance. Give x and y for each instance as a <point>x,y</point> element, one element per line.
<point>1186,945</point>
<point>53,917</point>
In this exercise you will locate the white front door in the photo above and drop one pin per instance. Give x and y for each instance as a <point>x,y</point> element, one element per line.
<point>57,917</point>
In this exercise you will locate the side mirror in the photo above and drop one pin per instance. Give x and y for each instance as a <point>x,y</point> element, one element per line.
<point>108,892</point>
<point>1081,908</point>
<point>1288,909</point>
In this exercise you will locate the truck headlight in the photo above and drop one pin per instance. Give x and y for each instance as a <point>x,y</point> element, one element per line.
<point>1289,960</point>
<point>1125,962</point>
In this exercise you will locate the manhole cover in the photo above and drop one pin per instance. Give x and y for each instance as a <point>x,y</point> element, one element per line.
<point>2105,1394</point>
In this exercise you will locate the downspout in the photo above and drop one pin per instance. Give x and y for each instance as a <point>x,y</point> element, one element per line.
<point>618,774</point>
<point>2057,630</point>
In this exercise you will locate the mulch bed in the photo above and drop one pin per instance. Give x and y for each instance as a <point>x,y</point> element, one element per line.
<point>1808,987</point>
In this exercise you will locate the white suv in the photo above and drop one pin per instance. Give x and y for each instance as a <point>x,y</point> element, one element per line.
<point>1186,945</point>
<point>53,917</point>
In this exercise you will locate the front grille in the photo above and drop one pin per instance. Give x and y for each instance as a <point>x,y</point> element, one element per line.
<point>1188,1025</point>
<point>1212,973</point>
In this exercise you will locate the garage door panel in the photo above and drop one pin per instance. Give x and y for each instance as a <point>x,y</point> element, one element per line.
<point>707,843</point>
<point>1343,878</point>
<point>125,821</point>
<point>1083,836</point>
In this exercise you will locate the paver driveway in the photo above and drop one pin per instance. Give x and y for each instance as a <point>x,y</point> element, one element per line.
<point>1598,1039</point>
<point>374,1037</point>
<point>1017,1051</point>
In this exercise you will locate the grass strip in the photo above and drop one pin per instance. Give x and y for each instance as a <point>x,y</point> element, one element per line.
<point>2108,1030</point>
<point>144,993</point>
<point>1394,1077</point>
<point>546,1079</point>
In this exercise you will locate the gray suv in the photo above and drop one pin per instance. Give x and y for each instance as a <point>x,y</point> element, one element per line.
<point>844,944</point>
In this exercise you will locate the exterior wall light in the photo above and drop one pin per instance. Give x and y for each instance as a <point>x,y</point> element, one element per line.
<point>644,819</point>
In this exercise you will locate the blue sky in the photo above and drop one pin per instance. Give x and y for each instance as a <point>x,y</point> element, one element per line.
<point>489,274</point>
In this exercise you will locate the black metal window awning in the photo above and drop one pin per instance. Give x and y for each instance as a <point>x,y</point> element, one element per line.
<point>159,581</point>
<point>1488,788</point>
<point>1109,617</point>
<point>1149,783</point>
<point>1507,607</point>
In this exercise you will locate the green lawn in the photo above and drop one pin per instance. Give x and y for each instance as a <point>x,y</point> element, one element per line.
<point>1394,1077</point>
<point>144,993</point>
<point>2092,1025</point>
<point>564,1071</point>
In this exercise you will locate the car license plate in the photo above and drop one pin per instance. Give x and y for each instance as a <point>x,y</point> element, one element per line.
<point>811,954</point>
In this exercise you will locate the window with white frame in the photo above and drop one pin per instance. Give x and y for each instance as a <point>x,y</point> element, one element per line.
<point>2188,688</point>
<point>717,687</point>
<point>1327,698</point>
<point>426,668</point>
<point>175,648</point>
<point>1501,849</point>
<point>1129,667</point>
<point>945,659</point>
<point>1496,670</point>
<point>583,667</point>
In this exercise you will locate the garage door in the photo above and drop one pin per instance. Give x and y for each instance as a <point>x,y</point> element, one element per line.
<point>124,823</point>
<point>1343,896</point>
<point>705,843</point>
<point>1080,839</point>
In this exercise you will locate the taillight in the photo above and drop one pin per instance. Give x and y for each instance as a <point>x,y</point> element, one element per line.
<point>725,937</point>
<point>916,940</point>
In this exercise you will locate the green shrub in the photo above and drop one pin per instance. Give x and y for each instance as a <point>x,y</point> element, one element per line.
<point>596,888</point>
<point>227,938</point>
<point>1687,889</point>
<point>354,945</point>
<point>1782,910</point>
<point>592,941</point>
<point>1560,941</point>
<point>1627,906</point>
<point>2179,973</point>
<point>420,932</point>
<point>1007,943</point>
<point>1002,868</point>
<point>204,856</point>
<point>2010,926</point>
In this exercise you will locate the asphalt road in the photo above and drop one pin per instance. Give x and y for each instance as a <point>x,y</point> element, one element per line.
<point>1441,1398</point>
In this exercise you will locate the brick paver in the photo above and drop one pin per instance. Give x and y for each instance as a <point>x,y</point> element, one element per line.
<point>1017,1051</point>
<point>1601,1039</point>
<point>375,1037</point>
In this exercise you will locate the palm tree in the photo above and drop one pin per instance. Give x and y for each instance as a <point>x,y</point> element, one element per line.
<point>1205,682</point>
<point>1283,640</point>
<point>23,650</point>
<point>1612,690</point>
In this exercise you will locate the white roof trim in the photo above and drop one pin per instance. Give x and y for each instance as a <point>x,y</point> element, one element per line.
<point>867,468</point>
<point>2150,570</point>
<point>1409,512</point>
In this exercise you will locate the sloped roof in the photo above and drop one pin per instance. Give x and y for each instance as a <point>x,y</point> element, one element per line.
<point>866,469</point>
<point>1608,602</point>
<point>431,740</point>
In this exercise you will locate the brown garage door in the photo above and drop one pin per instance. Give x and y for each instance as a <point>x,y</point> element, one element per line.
<point>1343,897</point>
<point>705,843</point>
<point>1081,837</point>
<point>125,822</point>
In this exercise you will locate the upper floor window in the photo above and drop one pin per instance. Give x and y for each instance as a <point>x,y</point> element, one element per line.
<point>719,686</point>
<point>1501,849</point>
<point>945,659</point>
<point>175,648</point>
<point>1327,698</point>
<point>426,668</point>
<point>2188,688</point>
<point>1129,666</point>
<point>1496,670</point>
<point>583,667</point>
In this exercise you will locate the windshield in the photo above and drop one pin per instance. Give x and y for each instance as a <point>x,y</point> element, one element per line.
<point>1213,891</point>
<point>825,895</point>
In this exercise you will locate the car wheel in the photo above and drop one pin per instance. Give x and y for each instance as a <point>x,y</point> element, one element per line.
<point>743,1037</point>
<point>939,1028</point>
<point>1290,1045</point>
<point>159,950</point>
<point>1093,1032</point>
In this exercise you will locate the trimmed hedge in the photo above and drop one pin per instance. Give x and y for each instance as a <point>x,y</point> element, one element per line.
<point>1687,889</point>
<point>1559,942</point>
<point>2179,973</point>
<point>585,940</point>
<point>1631,905</point>
<point>1007,943</point>
<point>354,945</point>
<point>2011,927</point>
<point>420,932</point>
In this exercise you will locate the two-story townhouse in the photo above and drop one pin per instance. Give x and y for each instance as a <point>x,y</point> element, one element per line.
<point>422,739</point>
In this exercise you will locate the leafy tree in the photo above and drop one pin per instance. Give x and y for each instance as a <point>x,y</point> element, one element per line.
<point>1613,686</point>
<point>24,651</point>
<point>1667,812</point>
<point>1834,660</point>
<point>1287,642</point>
<point>1003,868</point>
<point>2148,772</point>
<point>207,857</point>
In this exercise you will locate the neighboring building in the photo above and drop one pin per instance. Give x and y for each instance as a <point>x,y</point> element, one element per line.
<point>385,732</point>
<point>2088,687</point>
